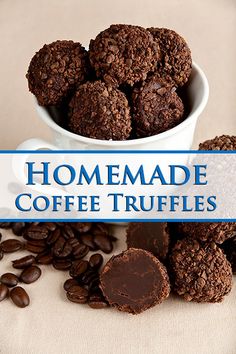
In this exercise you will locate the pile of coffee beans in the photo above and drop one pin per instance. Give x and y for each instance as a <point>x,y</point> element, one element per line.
<point>65,246</point>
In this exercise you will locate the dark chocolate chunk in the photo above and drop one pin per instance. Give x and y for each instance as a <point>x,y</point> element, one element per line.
<point>134,281</point>
<point>150,236</point>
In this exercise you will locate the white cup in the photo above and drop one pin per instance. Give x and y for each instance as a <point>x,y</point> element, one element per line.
<point>177,138</point>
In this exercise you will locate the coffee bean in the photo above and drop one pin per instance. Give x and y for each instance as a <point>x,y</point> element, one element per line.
<point>9,279</point>
<point>96,260</point>
<point>18,228</point>
<point>100,228</point>
<point>20,297</point>
<point>53,237</point>
<point>77,294</point>
<point>62,248</point>
<point>5,225</point>
<point>82,227</point>
<point>69,283</point>
<point>87,239</point>
<point>89,277</point>
<point>61,264</point>
<point>23,262</point>
<point>0,237</point>
<point>11,245</point>
<point>36,232</point>
<point>80,251</point>
<point>44,258</point>
<point>68,232</point>
<point>30,274</point>
<point>97,301</point>
<point>1,253</point>
<point>78,268</point>
<point>103,242</point>
<point>4,292</point>
<point>50,226</point>
<point>36,246</point>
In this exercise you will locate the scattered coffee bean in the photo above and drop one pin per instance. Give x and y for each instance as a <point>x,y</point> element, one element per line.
<point>53,237</point>
<point>82,227</point>
<point>68,232</point>
<point>100,228</point>
<point>9,279</point>
<point>4,292</point>
<point>80,251</point>
<point>78,268</point>
<point>18,228</point>
<point>87,239</point>
<point>23,262</point>
<point>96,260</point>
<point>36,246</point>
<point>30,274</point>
<point>5,225</point>
<point>11,245</point>
<point>36,232</point>
<point>89,277</point>
<point>77,294</point>
<point>20,297</point>
<point>50,226</point>
<point>44,258</point>
<point>62,248</point>
<point>1,253</point>
<point>0,237</point>
<point>69,283</point>
<point>61,264</point>
<point>97,301</point>
<point>103,242</point>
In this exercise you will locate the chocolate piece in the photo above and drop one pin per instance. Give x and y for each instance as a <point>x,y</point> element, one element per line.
<point>149,236</point>
<point>207,231</point>
<point>223,142</point>
<point>201,271</point>
<point>175,56</point>
<point>56,69</point>
<point>123,54</point>
<point>156,107</point>
<point>134,281</point>
<point>101,112</point>
<point>229,248</point>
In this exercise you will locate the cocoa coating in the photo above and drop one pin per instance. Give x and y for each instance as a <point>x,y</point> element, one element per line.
<point>123,54</point>
<point>56,69</point>
<point>156,107</point>
<point>134,281</point>
<point>223,142</point>
<point>100,111</point>
<point>207,231</point>
<point>150,236</point>
<point>201,271</point>
<point>175,56</point>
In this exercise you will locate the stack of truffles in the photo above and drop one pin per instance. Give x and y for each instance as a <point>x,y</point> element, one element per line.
<point>126,86</point>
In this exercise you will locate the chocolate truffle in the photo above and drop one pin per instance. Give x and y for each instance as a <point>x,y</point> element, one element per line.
<point>223,142</point>
<point>100,111</point>
<point>175,56</point>
<point>55,70</point>
<point>156,107</point>
<point>134,281</point>
<point>207,231</point>
<point>229,248</point>
<point>123,54</point>
<point>149,236</point>
<point>201,271</point>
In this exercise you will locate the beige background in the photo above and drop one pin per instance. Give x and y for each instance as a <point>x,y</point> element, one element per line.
<point>51,324</point>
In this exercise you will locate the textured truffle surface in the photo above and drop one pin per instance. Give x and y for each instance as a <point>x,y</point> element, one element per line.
<point>123,54</point>
<point>207,231</point>
<point>55,70</point>
<point>201,272</point>
<point>134,281</point>
<point>156,107</point>
<point>100,111</point>
<point>223,142</point>
<point>175,56</point>
<point>150,236</point>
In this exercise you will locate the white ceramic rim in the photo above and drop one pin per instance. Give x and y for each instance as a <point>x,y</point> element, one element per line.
<point>105,143</point>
